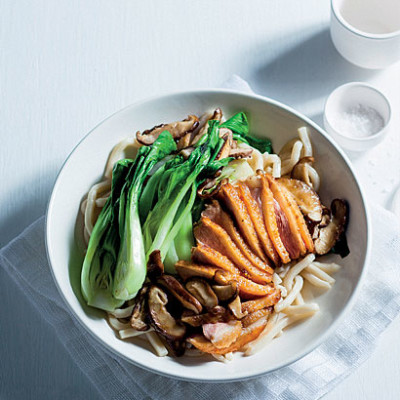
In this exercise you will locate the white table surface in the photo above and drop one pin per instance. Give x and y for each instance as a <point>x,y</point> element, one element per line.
<point>65,65</point>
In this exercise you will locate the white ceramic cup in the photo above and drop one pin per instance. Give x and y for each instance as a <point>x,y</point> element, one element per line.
<point>367,32</point>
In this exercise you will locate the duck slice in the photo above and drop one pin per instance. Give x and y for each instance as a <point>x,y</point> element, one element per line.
<point>222,334</point>
<point>230,196</point>
<point>211,234</point>
<point>255,316</point>
<point>263,302</point>
<point>247,288</point>
<point>247,335</point>
<point>295,218</point>
<point>285,233</point>
<point>209,256</point>
<point>219,216</point>
<point>267,201</point>
<point>256,216</point>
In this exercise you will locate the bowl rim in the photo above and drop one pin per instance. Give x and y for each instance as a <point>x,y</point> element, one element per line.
<point>245,375</point>
<point>367,35</point>
<point>349,86</point>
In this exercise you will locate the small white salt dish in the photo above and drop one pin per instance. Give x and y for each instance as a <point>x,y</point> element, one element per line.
<point>349,99</point>
<point>367,32</point>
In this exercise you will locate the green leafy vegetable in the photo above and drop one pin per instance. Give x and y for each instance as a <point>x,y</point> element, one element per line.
<point>114,267</point>
<point>99,265</point>
<point>130,271</point>
<point>239,126</point>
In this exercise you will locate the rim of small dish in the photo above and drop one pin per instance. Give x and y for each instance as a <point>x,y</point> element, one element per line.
<point>245,375</point>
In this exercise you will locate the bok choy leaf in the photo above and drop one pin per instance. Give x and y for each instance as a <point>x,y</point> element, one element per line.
<point>239,126</point>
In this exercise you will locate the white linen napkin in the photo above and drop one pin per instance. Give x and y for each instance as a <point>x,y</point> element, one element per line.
<point>309,378</point>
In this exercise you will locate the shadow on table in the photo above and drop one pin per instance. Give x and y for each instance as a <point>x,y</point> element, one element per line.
<point>31,204</point>
<point>308,71</point>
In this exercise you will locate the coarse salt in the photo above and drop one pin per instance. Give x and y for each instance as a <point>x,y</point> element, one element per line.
<point>359,121</point>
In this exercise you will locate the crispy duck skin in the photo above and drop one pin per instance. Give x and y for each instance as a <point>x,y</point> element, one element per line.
<point>267,201</point>
<point>216,214</point>
<point>281,196</point>
<point>257,218</point>
<point>232,200</point>
<point>247,288</point>
<point>256,215</point>
<point>255,316</point>
<point>285,232</point>
<point>254,305</point>
<point>248,335</point>
<point>207,255</point>
<point>211,234</point>
<point>272,254</point>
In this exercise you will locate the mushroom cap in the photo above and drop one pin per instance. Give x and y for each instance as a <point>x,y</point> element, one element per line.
<point>226,292</point>
<point>216,314</point>
<point>306,198</point>
<point>200,289</point>
<point>162,321</point>
<point>155,266</point>
<point>177,129</point>
<point>139,320</point>
<point>180,293</point>
<point>329,235</point>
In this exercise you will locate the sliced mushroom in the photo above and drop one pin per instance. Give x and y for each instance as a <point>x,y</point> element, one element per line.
<point>236,308</point>
<point>186,152</point>
<point>200,289</point>
<point>227,134</point>
<point>216,314</point>
<point>139,319</point>
<point>188,270</point>
<point>326,217</point>
<point>300,170</point>
<point>240,152</point>
<point>217,114</point>
<point>210,187</point>
<point>177,129</point>
<point>155,266</point>
<point>306,198</point>
<point>161,320</point>
<point>203,126</point>
<point>179,292</point>
<point>226,292</point>
<point>225,149</point>
<point>184,141</point>
<point>330,234</point>
<point>314,227</point>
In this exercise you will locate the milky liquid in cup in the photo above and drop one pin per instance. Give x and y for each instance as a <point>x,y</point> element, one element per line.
<point>372,16</point>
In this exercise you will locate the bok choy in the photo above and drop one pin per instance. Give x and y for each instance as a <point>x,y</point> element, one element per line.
<point>114,268</point>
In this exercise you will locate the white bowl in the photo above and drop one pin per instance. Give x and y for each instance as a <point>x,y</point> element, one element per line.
<point>367,32</point>
<point>267,118</point>
<point>346,97</point>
